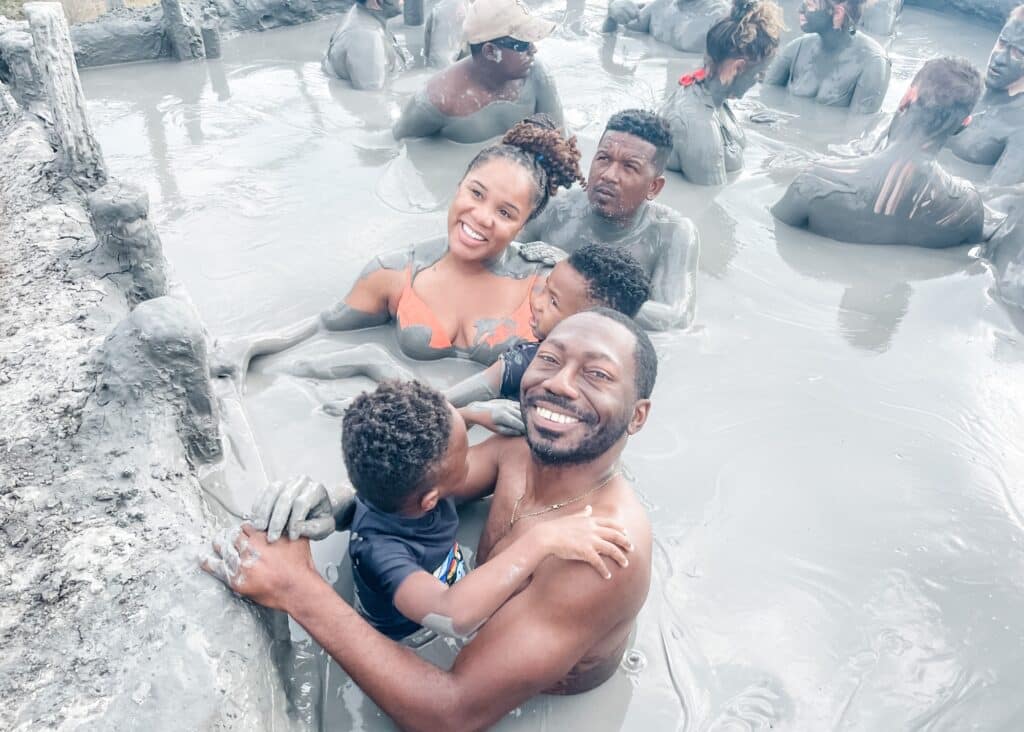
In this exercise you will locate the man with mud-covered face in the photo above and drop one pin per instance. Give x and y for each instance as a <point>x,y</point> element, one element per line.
<point>362,50</point>
<point>618,208</point>
<point>996,134</point>
<point>567,629</point>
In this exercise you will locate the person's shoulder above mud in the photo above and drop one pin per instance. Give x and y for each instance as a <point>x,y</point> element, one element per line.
<point>868,47</point>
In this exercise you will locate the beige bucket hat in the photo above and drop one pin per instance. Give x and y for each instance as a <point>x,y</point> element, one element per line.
<point>490,19</point>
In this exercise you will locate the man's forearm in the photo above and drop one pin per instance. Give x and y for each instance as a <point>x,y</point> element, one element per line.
<point>414,693</point>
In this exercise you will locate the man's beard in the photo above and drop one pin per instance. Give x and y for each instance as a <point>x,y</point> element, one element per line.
<point>593,445</point>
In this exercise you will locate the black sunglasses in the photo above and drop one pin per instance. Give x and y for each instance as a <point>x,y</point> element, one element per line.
<point>512,44</point>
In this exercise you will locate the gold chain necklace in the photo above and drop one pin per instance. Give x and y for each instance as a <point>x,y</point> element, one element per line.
<point>555,506</point>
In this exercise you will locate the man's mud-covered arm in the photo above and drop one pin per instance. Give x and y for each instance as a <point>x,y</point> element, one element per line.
<point>419,118</point>
<point>779,70</point>
<point>870,91</point>
<point>1009,169</point>
<point>634,16</point>
<point>367,61</point>
<point>674,283</point>
<point>793,207</point>
<point>529,645</point>
<point>548,100</point>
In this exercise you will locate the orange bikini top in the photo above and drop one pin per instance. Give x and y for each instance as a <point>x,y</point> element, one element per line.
<point>413,311</point>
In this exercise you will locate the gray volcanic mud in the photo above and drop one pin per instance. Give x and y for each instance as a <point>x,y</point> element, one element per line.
<point>105,622</point>
<point>832,464</point>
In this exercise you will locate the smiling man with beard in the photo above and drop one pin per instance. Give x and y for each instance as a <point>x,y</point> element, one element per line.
<point>617,208</point>
<point>566,630</point>
<point>362,50</point>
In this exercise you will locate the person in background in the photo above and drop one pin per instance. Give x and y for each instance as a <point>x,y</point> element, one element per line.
<point>899,194</point>
<point>362,50</point>
<point>496,86</point>
<point>707,140</point>
<point>832,62</point>
<point>682,24</point>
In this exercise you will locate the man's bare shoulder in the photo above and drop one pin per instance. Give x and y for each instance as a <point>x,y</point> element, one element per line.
<point>440,86</point>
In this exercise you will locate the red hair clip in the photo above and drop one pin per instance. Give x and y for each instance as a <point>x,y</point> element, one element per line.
<point>689,79</point>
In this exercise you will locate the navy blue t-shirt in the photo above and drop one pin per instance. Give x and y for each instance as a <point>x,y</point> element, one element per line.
<point>385,548</point>
<point>515,361</point>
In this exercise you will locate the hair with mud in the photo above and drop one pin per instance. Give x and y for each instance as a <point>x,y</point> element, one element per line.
<point>947,90</point>
<point>645,358</point>
<point>751,31</point>
<point>649,127</point>
<point>614,278</point>
<point>537,144</point>
<point>854,8</point>
<point>392,439</point>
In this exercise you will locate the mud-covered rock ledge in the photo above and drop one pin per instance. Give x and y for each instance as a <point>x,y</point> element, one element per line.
<point>105,621</point>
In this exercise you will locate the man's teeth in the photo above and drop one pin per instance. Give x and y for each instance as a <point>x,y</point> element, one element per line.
<point>472,234</point>
<point>555,416</point>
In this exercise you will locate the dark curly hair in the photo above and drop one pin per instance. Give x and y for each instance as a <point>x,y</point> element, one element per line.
<point>647,126</point>
<point>537,144</point>
<point>751,31</point>
<point>614,278</point>
<point>392,439</point>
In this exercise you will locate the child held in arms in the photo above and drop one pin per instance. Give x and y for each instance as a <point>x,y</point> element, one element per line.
<point>408,457</point>
<point>595,275</point>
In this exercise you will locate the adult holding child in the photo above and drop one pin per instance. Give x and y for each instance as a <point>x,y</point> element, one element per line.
<point>465,294</point>
<point>567,629</point>
<point>832,62</point>
<point>707,140</point>
<point>498,84</point>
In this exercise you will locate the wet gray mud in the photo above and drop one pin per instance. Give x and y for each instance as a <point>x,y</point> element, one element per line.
<point>832,462</point>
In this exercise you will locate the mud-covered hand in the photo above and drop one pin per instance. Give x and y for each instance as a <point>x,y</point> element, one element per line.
<point>624,12</point>
<point>584,538</point>
<point>304,507</point>
<point>538,251</point>
<point>503,416</point>
<point>266,573</point>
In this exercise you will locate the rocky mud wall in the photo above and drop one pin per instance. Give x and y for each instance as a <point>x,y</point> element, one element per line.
<point>105,620</point>
<point>993,11</point>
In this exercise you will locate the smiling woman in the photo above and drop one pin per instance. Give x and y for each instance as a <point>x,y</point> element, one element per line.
<point>464,295</point>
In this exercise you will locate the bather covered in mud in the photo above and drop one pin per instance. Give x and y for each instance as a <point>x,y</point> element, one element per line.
<point>567,630</point>
<point>466,294</point>
<point>707,141</point>
<point>618,208</point>
<point>996,134</point>
<point>833,63</point>
<point>682,24</point>
<point>442,34</point>
<point>899,194</point>
<point>362,50</point>
<point>500,83</point>
<point>880,17</point>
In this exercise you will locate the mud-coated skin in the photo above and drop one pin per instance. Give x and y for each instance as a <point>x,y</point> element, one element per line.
<point>682,24</point>
<point>707,140</point>
<point>889,197</point>
<point>362,50</point>
<point>442,35</point>
<point>430,111</point>
<point>996,134</point>
<point>836,69</point>
<point>1006,252</point>
<point>880,17</point>
<point>666,244</point>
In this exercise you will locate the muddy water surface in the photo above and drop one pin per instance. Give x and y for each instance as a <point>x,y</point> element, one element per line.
<point>833,463</point>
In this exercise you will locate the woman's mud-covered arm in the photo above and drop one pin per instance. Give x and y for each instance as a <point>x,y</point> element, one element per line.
<point>674,283</point>
<point>634,16</point>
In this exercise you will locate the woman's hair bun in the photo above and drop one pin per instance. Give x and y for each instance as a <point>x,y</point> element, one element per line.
<point>558,156</point>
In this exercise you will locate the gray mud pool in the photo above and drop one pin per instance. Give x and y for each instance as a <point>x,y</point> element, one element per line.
<point>833,464</point>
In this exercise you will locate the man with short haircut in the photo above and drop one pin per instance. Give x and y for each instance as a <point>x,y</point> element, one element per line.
<point>362,50</point>
<point>566,631</point>
<point>996,134</point>
<point>618,208</point>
